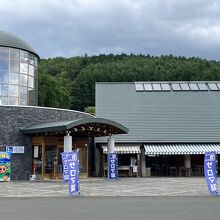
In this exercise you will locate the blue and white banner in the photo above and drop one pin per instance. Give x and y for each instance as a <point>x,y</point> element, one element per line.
<point>73,172</point>
<point>112,166</point>
<point>65,156</point>
<point>210,172</point>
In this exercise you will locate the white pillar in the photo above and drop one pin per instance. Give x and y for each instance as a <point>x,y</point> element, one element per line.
<point>68,143</point>
<point>111,145</point>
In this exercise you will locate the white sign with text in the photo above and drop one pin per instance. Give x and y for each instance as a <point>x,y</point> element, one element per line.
<point>15,149</point>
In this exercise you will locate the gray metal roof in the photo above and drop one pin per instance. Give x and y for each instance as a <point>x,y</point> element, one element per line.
<point>85,126</point>
<point>10,40</point>
<point>161,116</point>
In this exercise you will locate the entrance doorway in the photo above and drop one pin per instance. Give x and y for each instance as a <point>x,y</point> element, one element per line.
<point>83,151</point>
<point>37,161</point>
<point>50,155</point>
<point>47,162</point>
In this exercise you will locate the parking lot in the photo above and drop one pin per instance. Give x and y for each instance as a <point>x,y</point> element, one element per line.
<point>180,186</point>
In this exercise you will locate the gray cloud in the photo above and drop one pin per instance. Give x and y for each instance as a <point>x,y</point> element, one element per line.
<point>75,27</point>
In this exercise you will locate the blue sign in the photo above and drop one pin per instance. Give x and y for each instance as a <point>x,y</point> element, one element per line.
<point>65,156</point>
<point>210,172</point>
<point>9,149</point>
<point>73,172</point>
<point>112,166</point>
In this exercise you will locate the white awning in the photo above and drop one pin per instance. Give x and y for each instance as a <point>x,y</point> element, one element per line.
<point>180,149</point>
<point>124,149</point>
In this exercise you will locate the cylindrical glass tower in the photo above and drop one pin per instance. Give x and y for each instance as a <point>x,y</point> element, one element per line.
<point>18,71</point>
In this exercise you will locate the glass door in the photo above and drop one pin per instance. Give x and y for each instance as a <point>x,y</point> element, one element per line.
<point>83,160</point>
<point>60,165</point>
<point>37,161</point>
<point>50,156</point>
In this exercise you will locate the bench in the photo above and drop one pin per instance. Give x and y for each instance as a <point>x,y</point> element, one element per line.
<point>122,170</point>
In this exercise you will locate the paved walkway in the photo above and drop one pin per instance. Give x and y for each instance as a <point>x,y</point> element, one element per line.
<point>102,187</point>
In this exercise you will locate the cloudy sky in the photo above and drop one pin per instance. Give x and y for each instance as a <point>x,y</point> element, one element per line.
<point>75,27</point>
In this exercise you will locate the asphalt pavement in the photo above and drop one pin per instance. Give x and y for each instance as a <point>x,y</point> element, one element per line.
<point>180,186</point>
<point>111,208</point>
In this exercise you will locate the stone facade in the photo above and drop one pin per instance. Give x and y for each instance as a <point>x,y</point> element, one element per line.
<point>13,118</point>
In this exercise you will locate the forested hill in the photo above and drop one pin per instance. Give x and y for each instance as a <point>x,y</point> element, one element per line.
<point>70,82</point>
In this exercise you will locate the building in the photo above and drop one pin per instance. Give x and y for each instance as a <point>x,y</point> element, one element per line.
<point>171,125</point>
<point>18,71</point>
<point>36,135</point>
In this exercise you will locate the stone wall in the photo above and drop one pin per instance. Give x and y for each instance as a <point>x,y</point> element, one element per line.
<point>12,118</point>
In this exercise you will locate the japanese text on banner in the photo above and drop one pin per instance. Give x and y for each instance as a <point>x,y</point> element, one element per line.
<point>73,172</point>
<point>210,172</point>
<point>112,166</point>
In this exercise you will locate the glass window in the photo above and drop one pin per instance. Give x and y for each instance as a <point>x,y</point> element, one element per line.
<point>12,90</point>
<point>14,66</point>
<point>213,86</point>
<point>23,80</point>
<point>31,59</point>
<point>184,86</point>
<point>202,86</point>
<point>4,77</point>
<point>12,101</point>
<point>14,54</point>
<point>139,87</point>
<point>30,82</point>
<point>24,68</point>
<point>23,56</point>
<point>13,78</point>
<point>156,87</point>
<point>35,71</point>
<point>148,87</point>
<point>176,87</point>
<point>31,96</point>
<point>3,90</point>
<point>193,87</point>
<point>23,92</point>
<point>36,83</point>
<point>36,61</point>
<point>31,70</point>
<point>165,86</point>
<point>3,100</point>
<point>4,65</point>
<point>4,53</point>
<point>22,101</point>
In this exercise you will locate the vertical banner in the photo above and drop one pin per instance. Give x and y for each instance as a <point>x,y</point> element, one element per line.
<point>73,172</point>
<point>5,166</point>
<point>112,166</point>
<point>65,158</point>
<point>210,172</point>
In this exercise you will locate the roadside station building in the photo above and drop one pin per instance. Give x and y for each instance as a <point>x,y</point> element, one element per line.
<point>36,135</point>
<point>171,125</point>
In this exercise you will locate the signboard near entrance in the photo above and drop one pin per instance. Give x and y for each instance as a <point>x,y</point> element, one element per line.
<point>5,166</point>
<point>112,166</point>
<point>65,157</point>
<point>73,171</point>
<point>15,149</point>
<point>210,172</point>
